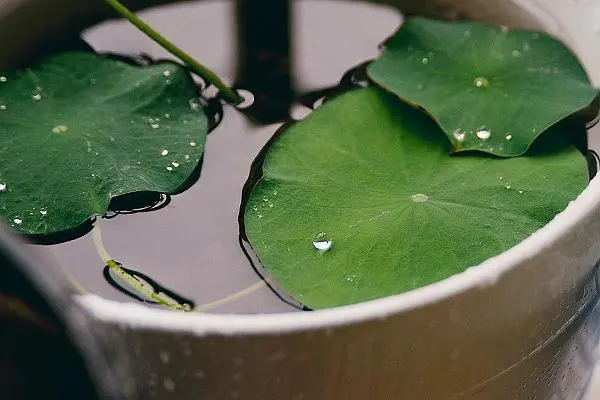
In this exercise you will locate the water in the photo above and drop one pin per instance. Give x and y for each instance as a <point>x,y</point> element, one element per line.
<point>459,135</point>
<point>190,246</point>
<point>481,82</point>
<point>322,242</point>
<point>484,134</point>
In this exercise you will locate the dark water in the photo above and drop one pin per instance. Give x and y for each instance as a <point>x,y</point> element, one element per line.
<point>191,246</point>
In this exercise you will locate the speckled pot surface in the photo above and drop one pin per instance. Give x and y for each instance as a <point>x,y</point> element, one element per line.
<point>511,328</point>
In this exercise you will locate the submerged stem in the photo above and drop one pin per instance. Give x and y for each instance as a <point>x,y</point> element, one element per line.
<point>139,287</point>
<point>228,93</point>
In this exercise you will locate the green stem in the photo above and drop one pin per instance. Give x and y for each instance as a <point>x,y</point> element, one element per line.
<point>228,93</point>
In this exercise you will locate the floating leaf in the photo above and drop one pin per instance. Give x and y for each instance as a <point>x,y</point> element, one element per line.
<point>490,90</point>
<point>79,129</point>
<point>361,200</point>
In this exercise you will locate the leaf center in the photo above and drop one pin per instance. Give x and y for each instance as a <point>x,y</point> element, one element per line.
<point>419,198</point>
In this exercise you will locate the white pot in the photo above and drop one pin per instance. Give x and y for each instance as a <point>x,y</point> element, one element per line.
<point>506,329</point>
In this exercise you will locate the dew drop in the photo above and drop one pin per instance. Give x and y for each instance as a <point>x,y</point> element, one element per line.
<point>459,135</point>
<point>419,198</point>
<point>322,242</point>
<point>93,81</point>
<point>155,126</point>
<point>168,82</point>
<point>520,192</point>
<point>175,164</point>
<point>164,152</point>
<point>43,212</point>
<point>508,137</point>
<point>2,187</point>
<point>481,82</point>
<point>36,96</point>
<point>167,73</point>
<point>18,221</point>
<point>3,79</point>
<point>3,107</point>
<point>194,104</point>
<point>501,178</point>
<point>425,60</point>
<point>484,134</point>
<point>169,168</point>
<point>507,186</point>
<point>60,129</point>
<point>167,115</point>
<point>186,157</point>
<point>516,53</point>
<point>193,144</point>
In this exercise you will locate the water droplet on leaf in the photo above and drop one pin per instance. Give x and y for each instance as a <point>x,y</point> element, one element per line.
<point>481,82</point>
<point>36,96</point>
<point>484,134</point>
<point>164,152</point>
<point>18,221</point>
<point>459,135</point>
<point>425,60</point>
<point>2,187</point>
<point>322,242</point>
<point>60,129</point>
<point>509,137</point>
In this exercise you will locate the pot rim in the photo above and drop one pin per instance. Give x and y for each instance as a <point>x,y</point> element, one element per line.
<point>480,276</point>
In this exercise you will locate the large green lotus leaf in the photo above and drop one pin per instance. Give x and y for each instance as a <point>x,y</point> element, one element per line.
<point>79,129</point>
<point>490,90</point>
<point>373,176</point>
